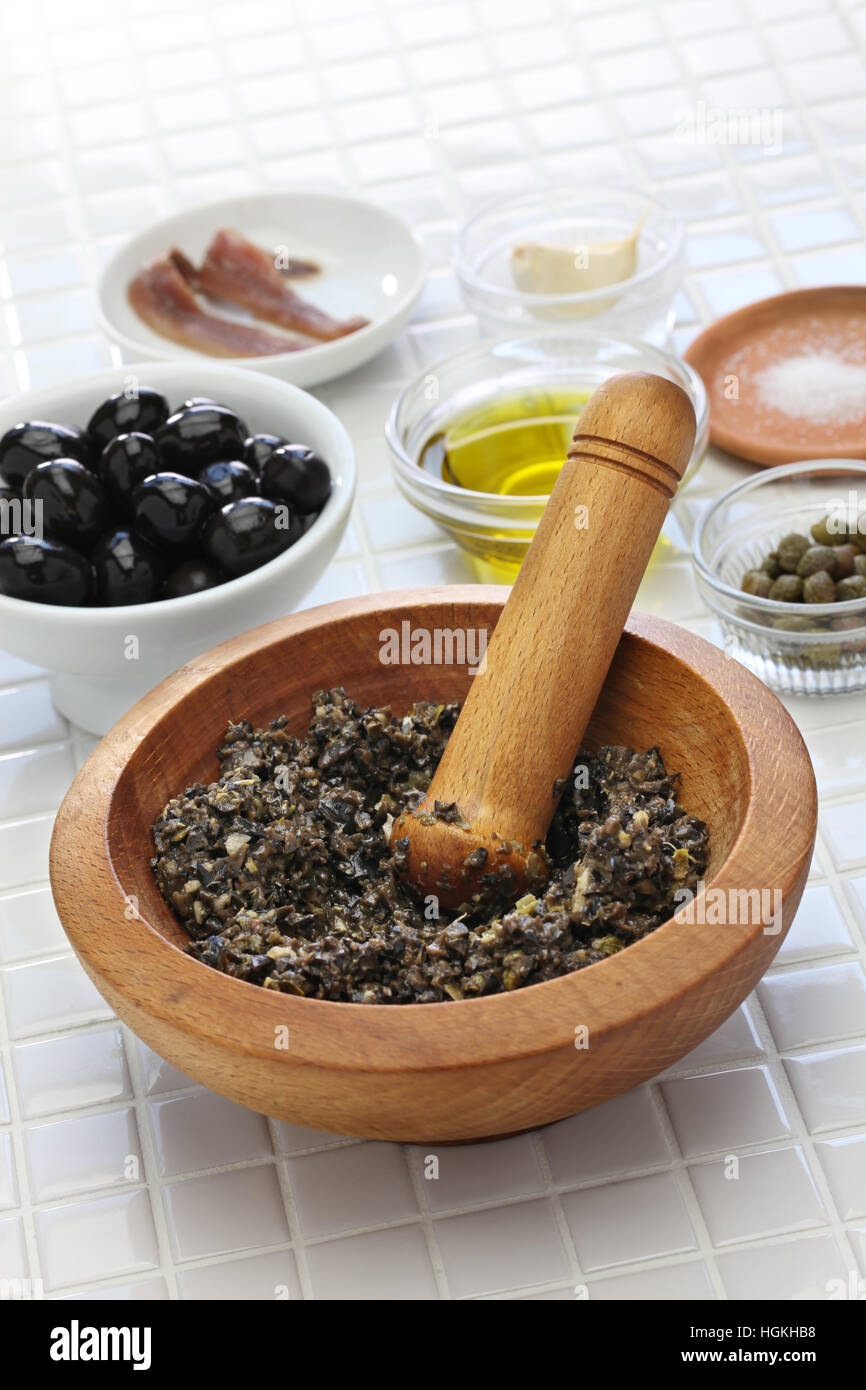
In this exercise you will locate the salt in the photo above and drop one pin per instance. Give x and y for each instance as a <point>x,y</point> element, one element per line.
<point>820,387</point>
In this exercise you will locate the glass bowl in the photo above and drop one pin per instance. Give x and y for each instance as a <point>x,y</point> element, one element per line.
<point>473,386</point>
<point>798,648</point>
<point>641,306</point>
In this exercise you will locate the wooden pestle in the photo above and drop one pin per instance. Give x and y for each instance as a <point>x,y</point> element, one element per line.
<point>521,726</point>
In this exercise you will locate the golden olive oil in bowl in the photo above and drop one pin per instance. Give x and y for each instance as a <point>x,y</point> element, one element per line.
<point>477,441</point>
<point>514,447</point>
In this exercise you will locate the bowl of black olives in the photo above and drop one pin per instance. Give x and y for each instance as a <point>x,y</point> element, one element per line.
<point>149,512</point>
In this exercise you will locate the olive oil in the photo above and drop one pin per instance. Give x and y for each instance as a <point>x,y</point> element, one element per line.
<point>506,454</point>
<point>512,447</point>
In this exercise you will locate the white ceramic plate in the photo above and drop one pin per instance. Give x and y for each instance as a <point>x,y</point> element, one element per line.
<point>371,265</point>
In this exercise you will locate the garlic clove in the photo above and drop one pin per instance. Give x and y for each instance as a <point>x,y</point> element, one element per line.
<point>552,269</point>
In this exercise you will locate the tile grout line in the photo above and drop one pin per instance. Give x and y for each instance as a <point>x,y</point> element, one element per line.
<point>293,1221</point>
<point>150,1160</point>
<point>685,1188</point>
<point>19,1157</point>
<point>428,1224</point>
<point>554,1196</point>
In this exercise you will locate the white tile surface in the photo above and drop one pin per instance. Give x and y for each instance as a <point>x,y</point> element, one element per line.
<point>830,1087</point>
<point>223,1213</point>
<point>844,1162</point>
<point>203,1130</point>
<point>661,1284</point>
<point>488,1251</point>
<point>624,1222</point>
<point>349,1188</point>
<point>139,1291</point>
<point>84,1242</point>
<point>49,994</point>
<point>13,1250</point>
<point>477,1174</point>
<point>157,1074</point>
<point>758,1194</point>
<point>793,1269</point>
<point>80,1155</point>
<point>621,1136</point>
<point>64,1073</point>
<point>24,850</point>
<point>8,1176</point>
<point>842,828</point>
<point>29,926</point>
<point>269,1277</point>
<point>725,1109</point>
<point>432,110</point>
<point>818,930</point>
<point>805,1006</point>
<point>734,1041</point>
<point>389,1265</point>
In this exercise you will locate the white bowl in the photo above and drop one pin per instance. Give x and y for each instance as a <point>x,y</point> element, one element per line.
<point>371,265</point>
<point>104,659</point>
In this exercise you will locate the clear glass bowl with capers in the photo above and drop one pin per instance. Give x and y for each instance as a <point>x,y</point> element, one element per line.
<point>781,560</point>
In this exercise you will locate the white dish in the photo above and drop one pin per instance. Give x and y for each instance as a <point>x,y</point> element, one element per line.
<point>98,672</point>
<point>371,265</point>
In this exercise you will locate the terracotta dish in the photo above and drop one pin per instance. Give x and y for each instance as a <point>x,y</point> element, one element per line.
<point>731,355</point>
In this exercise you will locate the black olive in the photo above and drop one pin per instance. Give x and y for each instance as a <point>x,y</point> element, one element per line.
<point>229,481</point>
<point>44,571</point>
<point>140,411</point>
<point>12,511</point>
<point>246,534</point>
<point>74,506</point>
<point>190,439</point>
<point>168,509</point>
<point>124,462</point>
<point>260,447</point>
<point>294,474</point>
<point>25,446</point>
<point>195,400</point>
<point>191,577</point>
<point>127,570</point>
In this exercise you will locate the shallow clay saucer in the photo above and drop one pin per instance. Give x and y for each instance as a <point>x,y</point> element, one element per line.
<point>731,355</point>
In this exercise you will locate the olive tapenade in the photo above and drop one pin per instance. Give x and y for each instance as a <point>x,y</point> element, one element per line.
<point>282,875</point>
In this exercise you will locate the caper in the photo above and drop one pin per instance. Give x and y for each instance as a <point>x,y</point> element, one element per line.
<point>829,655</point>
<point>817,557</point>
<point>790,550</point>
<point>757,582</point>
<point>845,556</point>
<point>788,588</point>
<point>753,615</point>
<point>852,587</point>
<point>819,587</point>
<point>770,565</point>
<point>791,623</point>
<point>828,531</point>
<point>860,564</point>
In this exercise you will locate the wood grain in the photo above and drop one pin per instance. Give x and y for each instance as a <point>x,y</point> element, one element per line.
<point>524,718</point>
<point>438,1072</point>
